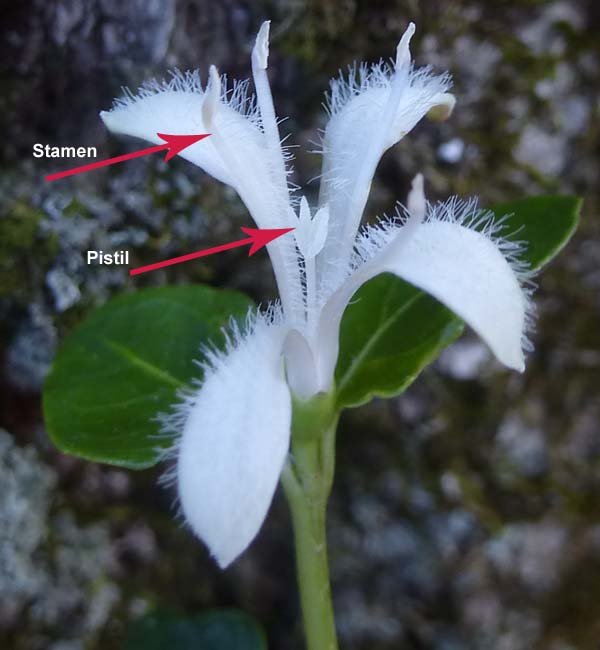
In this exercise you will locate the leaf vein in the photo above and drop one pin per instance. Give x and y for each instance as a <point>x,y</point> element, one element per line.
<point>374,339</point>
<point>144,365</point>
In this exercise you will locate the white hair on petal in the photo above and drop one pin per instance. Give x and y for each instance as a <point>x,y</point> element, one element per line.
<point>373,238</point>
<point>211,359</point>
<point>423,84</point>
<point>188,81</point>
<point>235,94</point>
<point>363,77</point>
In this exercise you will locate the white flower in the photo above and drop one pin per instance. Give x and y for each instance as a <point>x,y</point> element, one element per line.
<point>235,430</point>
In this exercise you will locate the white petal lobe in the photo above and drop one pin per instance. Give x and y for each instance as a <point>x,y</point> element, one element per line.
<point>464,268</point>
<point>173,111</point>
<point>371,110</point>
<point>181,106</point>
<point>237,153</point>
<point>234,443</point>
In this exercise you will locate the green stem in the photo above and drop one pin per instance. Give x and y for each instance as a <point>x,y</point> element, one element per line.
<point>307,479</point>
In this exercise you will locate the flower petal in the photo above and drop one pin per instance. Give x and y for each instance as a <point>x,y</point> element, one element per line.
<point>235,441</point>
<point>370,112</point>
<point>238,152</point>
<point>467,272</point>
<point>455,256</point>
<point>177,107</point>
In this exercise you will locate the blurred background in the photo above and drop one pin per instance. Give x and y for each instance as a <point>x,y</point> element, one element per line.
<point>465,514</point>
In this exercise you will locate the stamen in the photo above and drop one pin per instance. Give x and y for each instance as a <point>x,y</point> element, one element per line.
<point>403,51</point>
<point>212,97</point>
<point>416,199</point>
<point>245,186</point>
<point>260,55</point>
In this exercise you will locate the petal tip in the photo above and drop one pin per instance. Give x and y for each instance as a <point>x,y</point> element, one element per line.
<point>304,209</point>
<point>224,561</point>
<point>517,364</point>
<point>213,94</point>
<point>510,356</point>
<point>416,203</point>
<point>403,51</point>
<point>260,53</point>
<point>108,119</point>
<point>443,107</point>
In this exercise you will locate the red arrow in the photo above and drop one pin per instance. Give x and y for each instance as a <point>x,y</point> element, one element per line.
<point>174,144</point>
<point>257,237</point>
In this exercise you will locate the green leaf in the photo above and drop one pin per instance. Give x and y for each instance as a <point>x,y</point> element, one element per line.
<point>125,363</point>
<point>392,330</point>
<point>214,630</point>
<point>545,223</point>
